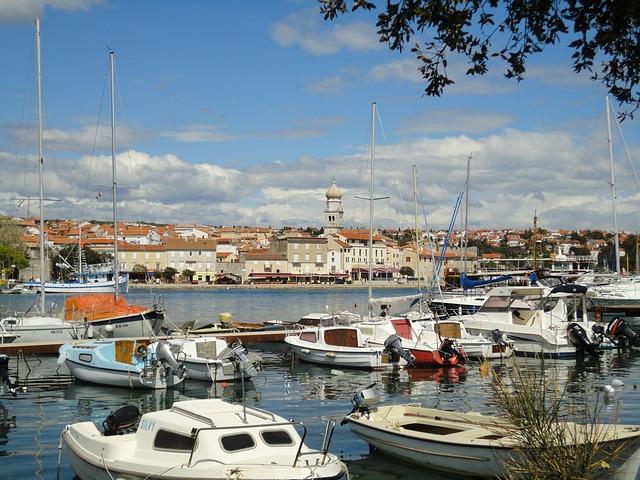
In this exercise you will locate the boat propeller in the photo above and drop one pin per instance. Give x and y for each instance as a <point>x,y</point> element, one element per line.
<point>393,345</point>
<point>620,331</point>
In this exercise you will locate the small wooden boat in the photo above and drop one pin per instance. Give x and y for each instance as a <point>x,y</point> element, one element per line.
<point>123,363</point>
<point>198,439</point>
<point>463,443</point>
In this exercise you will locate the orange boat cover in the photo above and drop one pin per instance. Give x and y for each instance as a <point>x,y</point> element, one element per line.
<point>99,306</point>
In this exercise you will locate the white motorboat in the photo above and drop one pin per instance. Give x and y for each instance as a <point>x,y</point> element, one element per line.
<point>123,363</point>
<point>101,283</point>
<point>537,319</point>
<point>426,346</point>
<point>198,439</point>
<point>210,359</point>
<point>468,444</point>
<point>40,328</point>
<point>337,345</point>
<point>482,347</point>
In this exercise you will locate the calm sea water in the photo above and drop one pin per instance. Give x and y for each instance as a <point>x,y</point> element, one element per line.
<point>30,424</point>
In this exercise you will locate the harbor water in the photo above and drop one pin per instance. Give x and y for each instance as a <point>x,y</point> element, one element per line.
<point>30,424</point>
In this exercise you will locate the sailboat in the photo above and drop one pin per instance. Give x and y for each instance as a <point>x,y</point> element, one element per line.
<point>38,326</point>
<point>109,314</point>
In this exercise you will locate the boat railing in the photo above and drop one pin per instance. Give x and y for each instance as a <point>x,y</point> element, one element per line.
<point>195,433</point>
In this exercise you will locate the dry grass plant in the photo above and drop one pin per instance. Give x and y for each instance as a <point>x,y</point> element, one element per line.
<point>551,446</point>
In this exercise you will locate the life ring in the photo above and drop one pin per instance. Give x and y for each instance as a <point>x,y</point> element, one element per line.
<point>141,351</point>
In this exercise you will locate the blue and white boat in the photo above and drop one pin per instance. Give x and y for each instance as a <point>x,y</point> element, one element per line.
<point>123,363</point>
<point>87,282</point>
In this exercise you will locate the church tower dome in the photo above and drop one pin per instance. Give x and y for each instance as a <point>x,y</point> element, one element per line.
<point>333,213</point>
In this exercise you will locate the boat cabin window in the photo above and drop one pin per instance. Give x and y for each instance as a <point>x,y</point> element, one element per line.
<point>496,304</point>
<point>166,440</point>
<point>276,437</point>
<point>341,337</point>
<point>237,442</point>
<point>309,337</point>
<point>85,357</point>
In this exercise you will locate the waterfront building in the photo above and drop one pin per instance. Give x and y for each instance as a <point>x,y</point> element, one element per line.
<point>339,255</point>
<point>305,255</point>
<point>197,255</point>
<point>333,212</point>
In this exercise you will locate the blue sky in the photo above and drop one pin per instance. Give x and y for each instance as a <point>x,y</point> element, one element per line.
<point>242,113</point>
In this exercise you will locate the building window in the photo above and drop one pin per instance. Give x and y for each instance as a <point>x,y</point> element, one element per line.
<point>306,246</point>
<point>295,258</point>
<point>318,258</point>
<point>306,257</point>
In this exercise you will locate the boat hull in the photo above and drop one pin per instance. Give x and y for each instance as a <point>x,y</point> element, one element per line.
<point>372,359</point>
<point>157,378</point>
<point>470,461</point>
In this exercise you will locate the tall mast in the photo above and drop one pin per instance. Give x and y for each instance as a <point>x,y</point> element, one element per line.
<point>466,214</point>
<point>371,200</point>
<point>79,279</point>
<point>534,238</point>
<point>40,165</point>
<point>114,187</point>
<point>613,186</point>
<point>415,210</point>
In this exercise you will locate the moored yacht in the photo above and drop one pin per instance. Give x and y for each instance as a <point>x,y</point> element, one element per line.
<point>537,319</point>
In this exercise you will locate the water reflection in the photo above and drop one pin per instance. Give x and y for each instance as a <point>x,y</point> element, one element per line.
<point>378,466</point>
<point>7,423</point>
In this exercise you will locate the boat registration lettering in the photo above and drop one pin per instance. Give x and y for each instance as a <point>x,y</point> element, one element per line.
<point>121,325</point>
<point>147,425</point>
<point>55,332</point>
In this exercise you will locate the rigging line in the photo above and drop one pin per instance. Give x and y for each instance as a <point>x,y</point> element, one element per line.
<point>626,149</point>
<point>93,147</point>
<point>426,228</point>
<point>124,135</point>
<point>27,106</point>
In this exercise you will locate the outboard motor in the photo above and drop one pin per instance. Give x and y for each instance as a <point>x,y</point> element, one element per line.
<point>165,355</point>
<point>393,345</point>
<point>448,347</point>
<point>578,338</point>
<point>121,421</point>
<point>239,355</point>
<point>363,399</point>
<point>619,330</point>
<point>5,379</point>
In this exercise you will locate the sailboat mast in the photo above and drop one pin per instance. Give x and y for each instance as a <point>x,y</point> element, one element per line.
<point>40,164</point>
<point>79,254</point>
<point>466,214</point>
<point>613,187</point>
<point>371,200</point>
<point>114,187</point>
<point>415,215</point>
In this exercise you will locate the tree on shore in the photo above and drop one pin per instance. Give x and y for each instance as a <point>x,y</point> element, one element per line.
<point>406,271</point>
<point>188,274</point>
<point>602,35</point>
<point>169,274</point>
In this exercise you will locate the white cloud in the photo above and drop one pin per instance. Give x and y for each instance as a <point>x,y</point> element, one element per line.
<point>328,85</point>
<point>200,133</point>
<point>407,70</point>
<point>455,120</point>
<point>19,11</point>
<point>557,75</point>
<point>307,30</point>
<point>513,173</point>
<point>80,140</point>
